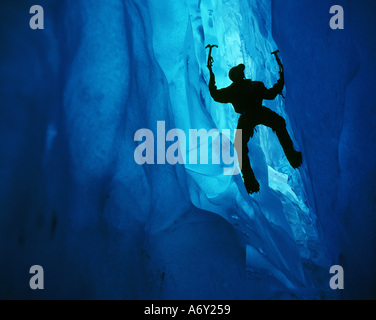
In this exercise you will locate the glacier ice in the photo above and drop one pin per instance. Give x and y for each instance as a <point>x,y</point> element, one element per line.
<point>102,226</point>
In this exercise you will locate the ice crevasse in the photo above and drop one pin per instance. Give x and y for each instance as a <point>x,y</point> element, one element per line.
<point>102,226</point>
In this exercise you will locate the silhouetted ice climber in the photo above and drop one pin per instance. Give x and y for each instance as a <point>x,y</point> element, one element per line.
<point>246,97</point>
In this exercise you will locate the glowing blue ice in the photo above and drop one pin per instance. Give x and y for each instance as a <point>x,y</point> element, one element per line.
<point>102,226</point>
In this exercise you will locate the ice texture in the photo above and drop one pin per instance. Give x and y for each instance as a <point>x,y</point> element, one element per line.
<point>103,227</point>
<point>334,109</point>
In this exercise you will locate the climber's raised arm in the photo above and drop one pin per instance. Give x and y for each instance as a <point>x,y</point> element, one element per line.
<point>219,95</point>
<point>272,93</point>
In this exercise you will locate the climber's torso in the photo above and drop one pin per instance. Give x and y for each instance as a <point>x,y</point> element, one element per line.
<point>247,96</point>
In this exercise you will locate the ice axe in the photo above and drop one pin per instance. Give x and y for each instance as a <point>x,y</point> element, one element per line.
<point>275,53</point>
<point>278,60</point>
<point>210,58</point>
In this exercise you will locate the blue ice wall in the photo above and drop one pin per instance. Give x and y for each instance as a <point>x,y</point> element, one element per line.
<point>334,109</point>
<point>75,201</point>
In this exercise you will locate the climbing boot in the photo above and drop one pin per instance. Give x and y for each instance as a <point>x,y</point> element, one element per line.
<point>251,185</point>
<point>295,158</point>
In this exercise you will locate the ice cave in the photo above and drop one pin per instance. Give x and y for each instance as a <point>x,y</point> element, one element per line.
<point>102,226</point>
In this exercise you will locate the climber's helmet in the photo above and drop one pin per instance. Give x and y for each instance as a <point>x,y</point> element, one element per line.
<point>237,73</point>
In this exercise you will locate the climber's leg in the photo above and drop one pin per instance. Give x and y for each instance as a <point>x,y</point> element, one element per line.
<point>247,128</point>
<point>278,124</point>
